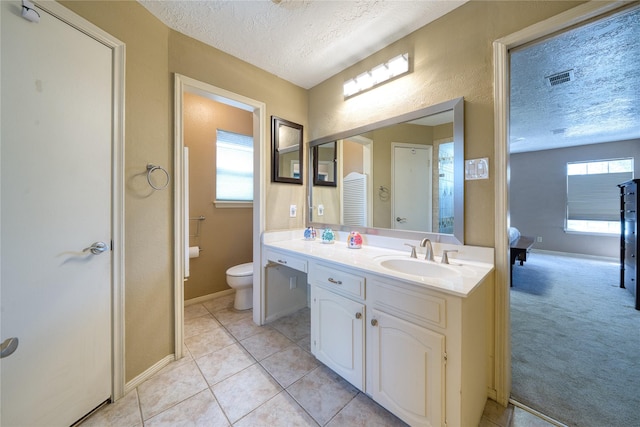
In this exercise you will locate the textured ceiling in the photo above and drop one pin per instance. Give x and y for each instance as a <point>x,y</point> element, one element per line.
<point>602,101</point>
<point>302,41</point>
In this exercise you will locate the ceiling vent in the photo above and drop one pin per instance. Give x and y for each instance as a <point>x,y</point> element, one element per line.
<point>559,78</point>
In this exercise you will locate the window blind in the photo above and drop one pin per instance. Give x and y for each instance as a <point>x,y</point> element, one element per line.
<point>595,197</point>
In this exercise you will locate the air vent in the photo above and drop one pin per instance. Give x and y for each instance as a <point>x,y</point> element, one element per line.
<point>559,78</point>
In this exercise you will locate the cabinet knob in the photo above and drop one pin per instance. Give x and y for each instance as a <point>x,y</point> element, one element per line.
<point>332,280</point>
<point>358,315</point>
<point>282,261</point>
<point>374,322</point>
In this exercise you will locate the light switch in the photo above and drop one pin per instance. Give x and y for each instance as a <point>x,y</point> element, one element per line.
<point>292,211</point>
<point>320,210</point>
<point>476,169</point>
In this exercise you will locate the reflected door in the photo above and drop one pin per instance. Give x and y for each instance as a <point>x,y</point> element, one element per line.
<point>411,187</point>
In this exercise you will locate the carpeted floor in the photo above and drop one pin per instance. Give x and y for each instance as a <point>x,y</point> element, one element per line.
<point>575,341</point>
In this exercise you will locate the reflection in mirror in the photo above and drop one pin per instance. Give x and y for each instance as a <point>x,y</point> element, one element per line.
<point>286,162</point>
<point>324,164</point>
<point>402,177</point>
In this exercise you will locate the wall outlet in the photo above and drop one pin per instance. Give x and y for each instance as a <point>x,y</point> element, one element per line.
<point>320,210</point>
<point>539,239</point>
<point>292,211</point>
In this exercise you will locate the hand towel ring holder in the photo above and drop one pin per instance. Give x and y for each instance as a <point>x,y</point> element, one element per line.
<point>150,169</point>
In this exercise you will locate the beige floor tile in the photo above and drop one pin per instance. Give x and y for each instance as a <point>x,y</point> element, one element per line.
<point>208,342</point>
<point>173,384</point>
<point>231,315</point>
<point>305,343</point>
<point>222,364</point>
<point>266,343</point>
<point>322,393</point>
<point>245,391</point>
<point>125,413</point>
<point>364,412</point>
<point>194,310</point>
<point>295,326</point>
<point>522,418</point>
<point>198,325</point>
<point>244,328</point>
<point>282,410</point>
<point>199,410</point>
<point>221,303</point>
<point>289,365</point>
<point>497,413</point>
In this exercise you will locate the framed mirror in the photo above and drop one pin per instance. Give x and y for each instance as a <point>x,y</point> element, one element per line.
<point>401,177</point>
<point>286,151</point>
<point>324,164</point>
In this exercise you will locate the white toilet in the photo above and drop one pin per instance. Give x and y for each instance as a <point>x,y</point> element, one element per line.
<point>240,278</point>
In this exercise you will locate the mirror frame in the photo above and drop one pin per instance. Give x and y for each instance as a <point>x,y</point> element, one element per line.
<point>316,159</point>
<point>276,124</point>
<point>457,105</point>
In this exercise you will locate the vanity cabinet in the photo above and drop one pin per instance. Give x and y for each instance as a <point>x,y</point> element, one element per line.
<point>337,321</point>
<point>404,345</point>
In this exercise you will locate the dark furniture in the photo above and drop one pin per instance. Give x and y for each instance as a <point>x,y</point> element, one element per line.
<point>519,249</point>
<point>629,238</point>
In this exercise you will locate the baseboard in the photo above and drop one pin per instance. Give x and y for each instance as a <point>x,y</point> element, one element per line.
<point>574,255</point>
<point>131,385</point>
<point>208,297</point>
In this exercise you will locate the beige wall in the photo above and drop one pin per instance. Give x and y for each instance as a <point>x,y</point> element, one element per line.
<point>153,54</point>
<point>451,58</point>
<point>226,234</point>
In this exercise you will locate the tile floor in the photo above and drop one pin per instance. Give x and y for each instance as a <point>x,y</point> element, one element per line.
<point>237,373</point>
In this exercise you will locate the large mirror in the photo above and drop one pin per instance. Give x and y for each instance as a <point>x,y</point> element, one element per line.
<point>400,177</point>
<point>286,160</point>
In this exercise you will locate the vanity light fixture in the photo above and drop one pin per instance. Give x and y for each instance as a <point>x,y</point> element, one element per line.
<point>379,74</point>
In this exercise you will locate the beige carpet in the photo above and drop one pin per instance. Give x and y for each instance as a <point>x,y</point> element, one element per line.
<point>575,341</point>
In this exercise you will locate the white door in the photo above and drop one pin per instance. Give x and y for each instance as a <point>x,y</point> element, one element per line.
<point>411,187</point>
<point>56,201</point>
<point>407,369</point>
<point>337,334</point>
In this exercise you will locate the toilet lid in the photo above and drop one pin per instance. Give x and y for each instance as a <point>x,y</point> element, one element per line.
<point>241,270</point>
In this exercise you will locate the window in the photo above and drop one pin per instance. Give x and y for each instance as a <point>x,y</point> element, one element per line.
<point>593,199</point>
<point>234,167</point>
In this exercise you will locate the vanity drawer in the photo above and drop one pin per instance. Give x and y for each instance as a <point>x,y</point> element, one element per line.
<point>287,260</point>
<point>338,280</point>
<point>417,307</point>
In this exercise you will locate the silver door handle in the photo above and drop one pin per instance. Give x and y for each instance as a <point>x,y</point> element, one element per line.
<point>8,347</point>
<point>398,219</point>
<point>97,248</point>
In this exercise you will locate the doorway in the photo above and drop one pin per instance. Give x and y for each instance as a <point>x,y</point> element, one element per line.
<point>411,163</point>
<point>62,216</point>
<point>577,15</point>
<point>184,85</point>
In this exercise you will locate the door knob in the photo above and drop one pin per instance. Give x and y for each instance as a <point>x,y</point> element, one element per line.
<point>358,315</point>
<point>398,219</point>
<point>374,322</point>
<point>97,248</point>
<point>8,347</point>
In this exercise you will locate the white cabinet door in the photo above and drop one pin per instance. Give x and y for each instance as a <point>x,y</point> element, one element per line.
<point>407,369</point>
<point>337,334</point>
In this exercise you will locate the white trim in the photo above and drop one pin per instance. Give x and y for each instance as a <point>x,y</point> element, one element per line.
<point>117,171</point>
<point>184,84</point>
<point>501,49</point>
<point>221,204</point>
<point>131,385</point>
<point>208,297</point>
<point>574,255</point>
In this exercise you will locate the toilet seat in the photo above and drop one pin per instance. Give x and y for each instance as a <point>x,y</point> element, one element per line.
<point>241,270</point>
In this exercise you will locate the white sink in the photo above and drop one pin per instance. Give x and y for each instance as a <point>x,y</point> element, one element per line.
<point>423,268</point>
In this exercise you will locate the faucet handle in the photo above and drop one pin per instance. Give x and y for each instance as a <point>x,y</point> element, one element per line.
<point>445,256</point>
<point>413,250</point>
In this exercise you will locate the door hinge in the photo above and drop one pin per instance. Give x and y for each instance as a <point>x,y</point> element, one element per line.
<point>444,357</point>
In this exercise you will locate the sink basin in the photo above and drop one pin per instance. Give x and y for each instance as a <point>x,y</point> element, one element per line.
<point>422,268</point>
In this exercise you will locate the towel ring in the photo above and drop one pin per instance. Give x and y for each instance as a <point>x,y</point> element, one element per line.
<point>150,169</point>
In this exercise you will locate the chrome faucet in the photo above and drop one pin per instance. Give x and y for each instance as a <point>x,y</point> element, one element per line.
<point>429,251</point>
<point>445,256</point>
<point>413,250</point>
